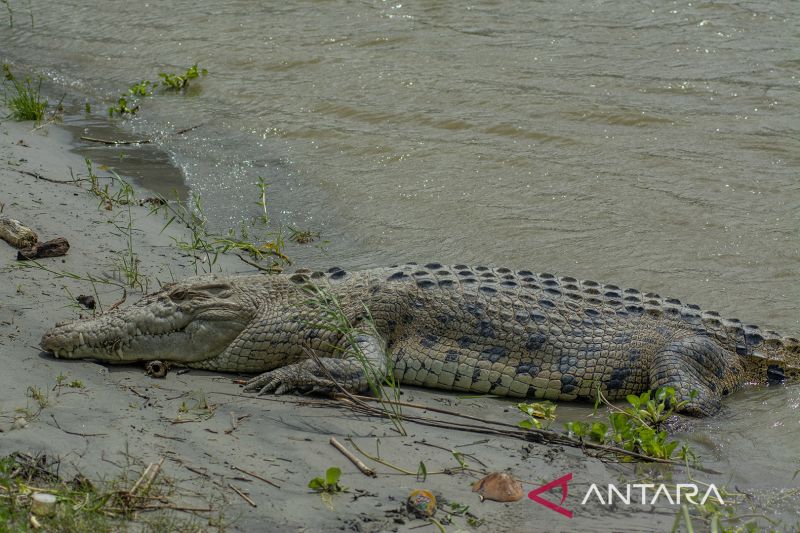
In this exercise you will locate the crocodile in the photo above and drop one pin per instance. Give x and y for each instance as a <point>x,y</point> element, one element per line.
<point>472,329</point>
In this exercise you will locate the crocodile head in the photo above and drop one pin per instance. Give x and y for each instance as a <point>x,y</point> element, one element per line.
<point>773,360</point>
<point>185,322</point>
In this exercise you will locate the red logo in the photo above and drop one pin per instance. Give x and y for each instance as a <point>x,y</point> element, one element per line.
<point>560,482</point>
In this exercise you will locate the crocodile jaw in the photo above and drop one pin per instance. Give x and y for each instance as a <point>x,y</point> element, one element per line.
<point>116,341</point>
<point>158,327</point>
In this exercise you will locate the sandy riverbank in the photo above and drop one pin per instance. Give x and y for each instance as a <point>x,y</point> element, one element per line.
<point>121,411</point>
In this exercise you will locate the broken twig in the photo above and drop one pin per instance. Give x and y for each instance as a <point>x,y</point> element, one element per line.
<point>367,471</point>
<point>244,496</point>
<point>265,480</point>
<point>144,482</point>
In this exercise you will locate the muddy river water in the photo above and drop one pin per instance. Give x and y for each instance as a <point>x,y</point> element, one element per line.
<point>650,144</point>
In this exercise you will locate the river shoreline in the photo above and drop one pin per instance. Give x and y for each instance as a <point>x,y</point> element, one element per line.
<point>120,415</point>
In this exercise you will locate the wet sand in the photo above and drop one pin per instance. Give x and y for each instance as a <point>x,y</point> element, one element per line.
<point>120,415</point>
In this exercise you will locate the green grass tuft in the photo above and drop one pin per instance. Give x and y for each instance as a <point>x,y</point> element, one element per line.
<point>25,100</point>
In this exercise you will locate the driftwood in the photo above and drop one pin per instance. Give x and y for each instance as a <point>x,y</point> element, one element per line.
<point>54,248</point>
<point>14,233</point>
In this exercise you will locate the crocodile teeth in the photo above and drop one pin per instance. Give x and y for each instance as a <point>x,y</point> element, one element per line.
<point>80,338</point>
<point>119,352</point>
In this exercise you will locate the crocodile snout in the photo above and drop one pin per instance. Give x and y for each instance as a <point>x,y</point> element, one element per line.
<point>61,342</point>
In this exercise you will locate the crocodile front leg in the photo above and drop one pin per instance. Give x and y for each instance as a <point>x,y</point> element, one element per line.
<point>361,363</point>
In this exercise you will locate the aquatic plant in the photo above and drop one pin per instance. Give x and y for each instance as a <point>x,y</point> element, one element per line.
<point>178,82</point>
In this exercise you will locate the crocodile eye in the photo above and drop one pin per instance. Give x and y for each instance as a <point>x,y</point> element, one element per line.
<point>178,295</point>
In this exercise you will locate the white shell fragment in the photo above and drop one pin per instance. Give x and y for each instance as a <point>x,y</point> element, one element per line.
<point>498,486</point>
<point>43,504</point>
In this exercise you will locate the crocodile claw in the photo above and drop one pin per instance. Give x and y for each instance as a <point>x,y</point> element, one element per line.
<point>288,379</point>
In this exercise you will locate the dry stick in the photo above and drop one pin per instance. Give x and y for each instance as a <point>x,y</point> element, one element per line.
<point>40,177</point>
<point>280,399</point>
<point>367,471</point>
<point>446,412</point>
<point>121,301</point>
<point>244,496</point>
<point>177,508</point>
<point>256,265</point>
<point>195,470</point>
<point>138,141</point>
<point>179,439</point>
<point>184,130</point>
<point>484,441</point>
<point>541,436</point>
<point>139,394</point>
<point>384,463</point>
<point>401,469</point>
<point>265,480</point>
<point>452,451</point>
<point>114,143</point>
<point>530,435</point>
<point>357,403</point>
<point>76,433</point>
<point>146,479</point>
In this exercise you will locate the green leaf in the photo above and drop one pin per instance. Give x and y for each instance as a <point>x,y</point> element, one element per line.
<point>669,448</point>
<point>661,394</point>
<point>460,458</point>
<point>598,432</point>
<point>317,484</point>
<point>619,421</point>
<point>646,434</point>
<point>422,472</point>
<point>578,429</point>
<point>332,475</point>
